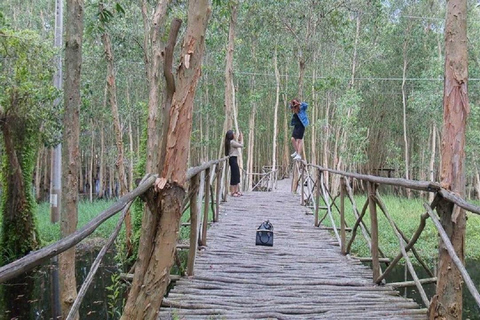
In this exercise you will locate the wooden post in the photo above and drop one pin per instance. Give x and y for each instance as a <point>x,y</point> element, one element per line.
<point>217,191</point>
<point>373,229</point>
<point>203,241</point>
<point>192,252</point>
<point>317,195</point>
<point>342,215</point>
<point>225,182</point>
<point>302,202</point>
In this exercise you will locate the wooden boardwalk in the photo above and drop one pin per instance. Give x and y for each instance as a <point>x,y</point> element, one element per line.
<point>303,276</point>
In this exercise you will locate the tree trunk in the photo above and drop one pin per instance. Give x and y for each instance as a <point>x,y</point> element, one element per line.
<point>477,183</point>
<point>250,147</point>
<point>19,235</point>
<point>404,104</point>
<point>70,150</point>
<point>275,119</point>
<point>447,303</point>
<point>229,87</point>
<point>101,165</point>
<point>153,62</point>
<point>432,160</point>
<point>120,163</point>
<point>92,163</point>
<point>156,259</point>
<point>38,174</point>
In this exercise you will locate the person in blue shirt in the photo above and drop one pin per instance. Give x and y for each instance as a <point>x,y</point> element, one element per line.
<point>299,123</point>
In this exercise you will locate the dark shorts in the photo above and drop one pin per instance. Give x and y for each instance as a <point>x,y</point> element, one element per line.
<point>234,171</point>
<point>298,132</point>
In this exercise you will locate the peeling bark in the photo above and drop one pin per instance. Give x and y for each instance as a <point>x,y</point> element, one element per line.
<point>447,303</point>
<point>165,203</point>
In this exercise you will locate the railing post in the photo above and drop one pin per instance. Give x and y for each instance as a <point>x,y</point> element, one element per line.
<point>342,215</point>
<point>203,241</point>
<point>192,251</point>
<point>302,180</point>
<point>373,229</point>
<point>317,195</point>
<point>217,191</point>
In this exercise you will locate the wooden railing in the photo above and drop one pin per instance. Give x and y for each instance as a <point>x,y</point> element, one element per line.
<point>261,181</point>
<point>313,190</point>
<point>204,188</point>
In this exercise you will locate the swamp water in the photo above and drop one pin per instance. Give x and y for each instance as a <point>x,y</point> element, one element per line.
<point>31,297</point>
<point>471,311</point>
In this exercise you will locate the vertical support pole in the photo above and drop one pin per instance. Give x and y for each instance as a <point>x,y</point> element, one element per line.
<point>302,180</point>
<point>374,230</point>
<point>217,191</point>
<point>342,215</point>
<point>203,241</point>
<point>317,194</point>
<point>225,181</point>
<point>192,251</point>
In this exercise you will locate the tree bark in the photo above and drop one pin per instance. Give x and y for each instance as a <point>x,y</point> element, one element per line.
<point>447,303</point>
<point>154,263</point>
<point>229,87</point>
<point>275,119</point>
<point>120,163</point>
<point>71,153</point>
<point>404,104</point>
<point>153,60</point>
<point>432,160</point>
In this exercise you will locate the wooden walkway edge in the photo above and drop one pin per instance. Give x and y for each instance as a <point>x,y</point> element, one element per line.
<point>303,276</point>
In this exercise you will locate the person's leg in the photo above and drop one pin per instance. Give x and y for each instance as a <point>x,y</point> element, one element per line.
<point>299,146</point>
<point>294,144</point>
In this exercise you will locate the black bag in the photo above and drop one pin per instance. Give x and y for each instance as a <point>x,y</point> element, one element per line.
<point>264,234</point>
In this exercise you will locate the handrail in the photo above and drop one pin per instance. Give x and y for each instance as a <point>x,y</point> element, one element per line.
<point>34,258</point>
<point>451,251</point>
<point>405,244</point>
<point>410,184</point>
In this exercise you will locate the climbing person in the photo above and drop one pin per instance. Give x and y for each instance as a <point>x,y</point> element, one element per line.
<point>232,147</point>
<point>299,122</point>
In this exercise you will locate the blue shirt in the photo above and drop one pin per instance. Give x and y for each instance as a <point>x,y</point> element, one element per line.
<point>301,115</point>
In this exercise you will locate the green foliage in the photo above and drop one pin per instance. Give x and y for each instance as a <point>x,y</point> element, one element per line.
<point>406,215</point>
<point>116,296</point>
<point>26,101</point>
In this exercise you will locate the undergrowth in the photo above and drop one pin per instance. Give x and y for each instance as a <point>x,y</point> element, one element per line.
<point>406,214</point>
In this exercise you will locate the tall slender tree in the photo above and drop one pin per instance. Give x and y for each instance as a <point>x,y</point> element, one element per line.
<point>71,151</point>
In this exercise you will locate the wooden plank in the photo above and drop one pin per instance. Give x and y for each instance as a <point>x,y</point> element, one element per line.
<point>303,276</point>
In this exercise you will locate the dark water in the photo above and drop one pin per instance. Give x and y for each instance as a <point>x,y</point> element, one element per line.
<point>31,296</point>
<point>470,308</point>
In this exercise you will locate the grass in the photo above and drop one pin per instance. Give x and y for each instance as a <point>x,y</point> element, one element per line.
<point>406,215</point>
<point>86,212</point>
<point>405,212</point>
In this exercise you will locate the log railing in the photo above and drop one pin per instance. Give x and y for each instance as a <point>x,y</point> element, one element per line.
<point>203,189</point>
<point>314,191</point>
<point>261,181</point>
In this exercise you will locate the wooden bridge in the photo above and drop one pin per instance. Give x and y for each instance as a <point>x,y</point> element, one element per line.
<point>307,274</point>
<point>303,276</point>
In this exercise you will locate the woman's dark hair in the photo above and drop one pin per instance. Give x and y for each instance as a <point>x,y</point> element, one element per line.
<point>295,102</point>
<point>228,138</point>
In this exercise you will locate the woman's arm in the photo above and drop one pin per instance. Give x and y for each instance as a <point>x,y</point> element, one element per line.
<point>235,144</point>
<point>303,106</point>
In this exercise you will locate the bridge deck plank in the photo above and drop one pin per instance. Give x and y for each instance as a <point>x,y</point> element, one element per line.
<point>303,276</point>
